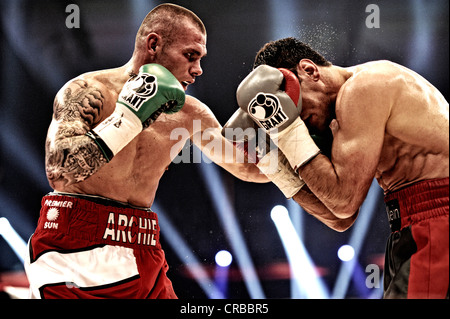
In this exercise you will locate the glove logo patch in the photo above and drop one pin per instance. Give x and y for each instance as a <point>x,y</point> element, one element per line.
<point>138,90</point>
<point>266,111</point>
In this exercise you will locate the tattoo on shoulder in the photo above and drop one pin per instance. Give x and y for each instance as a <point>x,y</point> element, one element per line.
<point>70,154</point>
<point>80,101</point>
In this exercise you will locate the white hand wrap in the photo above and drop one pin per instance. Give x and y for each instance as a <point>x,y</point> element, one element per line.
<point>276,167</point>
<point>118,129</point>
<point>296,144</point>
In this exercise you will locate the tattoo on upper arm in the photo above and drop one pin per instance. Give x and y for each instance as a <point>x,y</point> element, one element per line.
<point>80,102</point>
<point>70,154</point>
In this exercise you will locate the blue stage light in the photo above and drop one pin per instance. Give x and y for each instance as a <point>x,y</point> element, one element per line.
<point>303,270</point>
<point>224,258</point>
<point>346,253</point>
<point>17,244</point>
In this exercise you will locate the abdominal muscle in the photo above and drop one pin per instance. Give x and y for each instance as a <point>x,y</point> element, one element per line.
<point>404,164</point>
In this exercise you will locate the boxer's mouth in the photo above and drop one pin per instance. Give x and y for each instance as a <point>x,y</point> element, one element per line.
<point>185,84</point>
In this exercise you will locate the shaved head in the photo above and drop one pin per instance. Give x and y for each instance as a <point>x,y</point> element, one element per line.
<point>165,20</point>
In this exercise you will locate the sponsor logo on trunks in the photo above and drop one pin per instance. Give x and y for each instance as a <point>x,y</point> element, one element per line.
<point>58,203</point>
<point>53,212</point>
<point>52,215</point>
<point>265,109</point>
<point>132,230</point>
<point>393,210</point>
<point>393,213</point>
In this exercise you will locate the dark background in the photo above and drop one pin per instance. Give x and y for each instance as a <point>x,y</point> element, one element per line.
<point>39,54</point>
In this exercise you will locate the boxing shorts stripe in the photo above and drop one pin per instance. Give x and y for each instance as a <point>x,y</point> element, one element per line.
<point>93,247</point>
<point>417,251</point>
<point>77,269</point>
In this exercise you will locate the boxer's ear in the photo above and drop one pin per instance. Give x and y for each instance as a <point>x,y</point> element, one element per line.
<point>154,43</point>
<point>308,68</point>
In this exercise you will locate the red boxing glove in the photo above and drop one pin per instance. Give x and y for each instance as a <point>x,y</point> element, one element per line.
<point>291,86</point>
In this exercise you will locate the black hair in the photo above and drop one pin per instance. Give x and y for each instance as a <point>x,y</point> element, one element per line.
<point>287,53</point>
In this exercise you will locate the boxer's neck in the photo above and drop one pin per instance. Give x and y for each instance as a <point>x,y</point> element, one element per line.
<point>131,68</point>
<point>334,77</point>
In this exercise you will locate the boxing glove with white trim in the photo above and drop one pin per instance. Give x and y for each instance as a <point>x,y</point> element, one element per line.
<point>277,111</point>
<point>242,131</point>
<point>142,99</point>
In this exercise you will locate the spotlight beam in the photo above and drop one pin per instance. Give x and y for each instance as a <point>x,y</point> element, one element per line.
<point>296,214</point>
<point>357,237</point>
<point>227,217</point>
<point>302,267</point>
<point>285,18</point>
<point>18,245</point>
<point>421,44</point>
<point>184,252</point>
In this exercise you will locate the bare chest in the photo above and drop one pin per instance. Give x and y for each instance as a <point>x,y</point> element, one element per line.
<point>134,173</point>
<point>155,148</point>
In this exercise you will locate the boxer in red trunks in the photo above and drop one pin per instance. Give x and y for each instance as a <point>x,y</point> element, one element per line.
<point>417,252</point>
<point>378,120</point>
<point>107,147</point>
<point>92,247</point>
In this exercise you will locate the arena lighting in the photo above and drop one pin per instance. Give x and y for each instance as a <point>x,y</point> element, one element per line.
<point>346,253</point>
<point>302,267</point>
<point>377,293</point>
<point>184,252</point>
<point>18,245</point>
<point>359,231</point>
<point>421,44</point>
<point>223,258</point>
<point>139,9</point>
<point>223,261</point>
<point>359,281</point>
<point>227,217</point>
<point>297,215</point>
<point>285,18</point>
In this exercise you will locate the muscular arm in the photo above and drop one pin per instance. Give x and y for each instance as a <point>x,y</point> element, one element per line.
<point>218,149</point>
<point>312,205</point>
<point>339,186</point>
<point>71,156</point>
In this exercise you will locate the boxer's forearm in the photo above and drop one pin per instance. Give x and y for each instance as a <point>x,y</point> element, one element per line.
<point>72,161</point>
<point>313,206</point>
<point>235,162</point>
<point>247,172</point>
<point>335,192</point>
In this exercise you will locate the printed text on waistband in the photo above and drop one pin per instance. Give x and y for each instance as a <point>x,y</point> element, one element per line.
<point>131,230</point>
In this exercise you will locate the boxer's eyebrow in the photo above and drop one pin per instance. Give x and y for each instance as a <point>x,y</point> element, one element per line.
<point>196,52</point>
<point>197,49</point>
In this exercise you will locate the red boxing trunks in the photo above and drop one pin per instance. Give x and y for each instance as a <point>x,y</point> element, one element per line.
<point>417,252</point>
<point>93,247</point>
